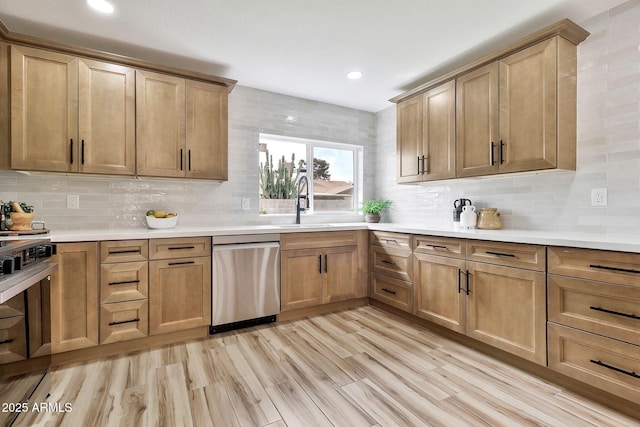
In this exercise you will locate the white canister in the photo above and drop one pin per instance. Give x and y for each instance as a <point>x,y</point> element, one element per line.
<point>468,217</point>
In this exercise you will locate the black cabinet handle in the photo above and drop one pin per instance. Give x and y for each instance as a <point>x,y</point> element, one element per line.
<point>182,263</point>
<point>622,270</point>
<point>501,152</point>
<point>617,313</point>
<point>388,262</point>
<point>389,291</point>
<point>124,321</point>
<point>500,254</point>
<point>6,341</point>
<point>320,264</point>
<point>491,147</point>
<point>467,290</point>
<point>71,150</point>
<point>395,242</point>
<point>189,153</point>
<point>613,368</point>
<point>177,248</point>
<point>459,281</point>
<point>181,168</point>
<point>126,251</point>
<point>126,282</point>
<point>419,166</point>
<point>437,247</point>
<point>82,152</point>
<point>326,263</point>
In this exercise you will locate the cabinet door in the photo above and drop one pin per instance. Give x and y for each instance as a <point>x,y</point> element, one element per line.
<point>160,125</point>
<point>39,303</point>
<point>477,122</point>
<point>507,309</point>
<point>301,279</point>
<point>106,118</point>
<point>340,267</point>
<point>528,105</point>
<point>13,339</point>
<point>439,290</point>
<point>179,294</point>
<point>409,140</point>
<point>439,132</point>
<point>74,297</point>
<point>207,131</point>
<point>44,121</point>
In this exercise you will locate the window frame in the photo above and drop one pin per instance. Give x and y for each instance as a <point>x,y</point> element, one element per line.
<point>310,145</point>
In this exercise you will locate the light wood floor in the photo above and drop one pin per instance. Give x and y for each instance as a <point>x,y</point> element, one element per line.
<point>360,367</point>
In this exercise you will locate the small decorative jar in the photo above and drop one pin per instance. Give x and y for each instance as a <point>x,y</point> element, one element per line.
<point>489,219</point>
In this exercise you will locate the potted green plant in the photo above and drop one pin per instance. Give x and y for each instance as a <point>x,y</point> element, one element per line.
<point>372,209</point>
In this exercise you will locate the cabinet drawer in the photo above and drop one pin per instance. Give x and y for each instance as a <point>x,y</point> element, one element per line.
<point>13,339</point>
<point>179,247</point>
<point>393,240</point>
<point>391,262</point>
<point>443,246</point>
<point>607,266</point>
<point>291,241</point>
<point>124,250</point>
<point>122,321</point>
<point>124,281</point>
<point>519,255</point>
<point>13,307</point>
<point>602,308</point>
<point>394,292</point>
<point>611,365</point>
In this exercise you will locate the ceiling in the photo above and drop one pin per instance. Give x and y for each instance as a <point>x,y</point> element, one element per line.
<point>302,47</point>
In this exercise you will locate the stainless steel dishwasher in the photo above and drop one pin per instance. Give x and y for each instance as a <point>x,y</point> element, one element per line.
<point>245,282</point>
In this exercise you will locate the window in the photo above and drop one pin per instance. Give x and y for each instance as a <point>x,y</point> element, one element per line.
<point>334,176</point>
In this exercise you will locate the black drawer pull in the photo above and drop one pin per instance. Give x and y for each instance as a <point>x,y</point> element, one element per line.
<point>126,251</point>
<point>613,368</point>
<point>182,263</point>
<point>320,264</point>
<point>388,262</point>
<point>6,341</point>
<point>622,270</point>
<point>467,276</point>
<point>389,291</point>
<point>177,248</point>
<point>126,282</point>
<point>124,321</point>
<point>395,242</point>
<point>500,254</point>
<point>617,313</point>
<point>437,247</point>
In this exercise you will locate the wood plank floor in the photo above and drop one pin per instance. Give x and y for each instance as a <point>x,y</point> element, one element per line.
<point>359,367</point>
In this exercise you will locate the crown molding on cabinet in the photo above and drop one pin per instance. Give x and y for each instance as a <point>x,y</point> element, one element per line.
<point>22,39</point>
<point>566,29</point>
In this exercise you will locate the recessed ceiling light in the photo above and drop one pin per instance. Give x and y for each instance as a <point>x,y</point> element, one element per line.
<point>354,75</point>
<point>102,6</point>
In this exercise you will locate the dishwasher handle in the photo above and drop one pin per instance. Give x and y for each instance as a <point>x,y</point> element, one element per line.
<point>240,246</point>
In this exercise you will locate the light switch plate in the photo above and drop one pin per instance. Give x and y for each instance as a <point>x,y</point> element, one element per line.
<point>73,201</point>
<point>246,204</point>
<point>599,197</point>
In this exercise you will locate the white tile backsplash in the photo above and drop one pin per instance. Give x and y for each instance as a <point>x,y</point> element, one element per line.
<point>608,152</point>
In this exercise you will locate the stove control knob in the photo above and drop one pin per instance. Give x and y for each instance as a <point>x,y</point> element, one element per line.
<point>7,265</point>
<point>17,262</point>
<point>49,250</point>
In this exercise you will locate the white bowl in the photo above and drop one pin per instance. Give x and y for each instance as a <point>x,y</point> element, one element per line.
<point>153,222</point>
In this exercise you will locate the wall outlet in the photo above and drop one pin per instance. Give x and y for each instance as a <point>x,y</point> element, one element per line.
<point>598,197</point>
<point>246,204</point>
<point>73,201</point>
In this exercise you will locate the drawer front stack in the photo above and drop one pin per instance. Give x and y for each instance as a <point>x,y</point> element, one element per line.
<point>391,269</point>
<point>594,318</point>
<point>124,290</point>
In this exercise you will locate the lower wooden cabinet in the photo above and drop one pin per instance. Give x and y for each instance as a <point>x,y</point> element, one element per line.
<point>120,321</point>
<point>74,297</point>
<point>179,294</point>
<point>394,292</point>
<point>13,333</point>
<point>506,308</point>
<point>321,268</point>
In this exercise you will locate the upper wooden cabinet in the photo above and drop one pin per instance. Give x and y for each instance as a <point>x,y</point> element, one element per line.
<point>181,127</point>
<point>70,114</point>
<point>515,111</point>
<point>426,135</point>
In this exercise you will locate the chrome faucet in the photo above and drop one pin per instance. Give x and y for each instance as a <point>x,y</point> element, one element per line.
<point>300,196</point>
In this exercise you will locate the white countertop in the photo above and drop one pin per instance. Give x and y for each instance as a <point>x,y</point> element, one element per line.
<point>615,242</point>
